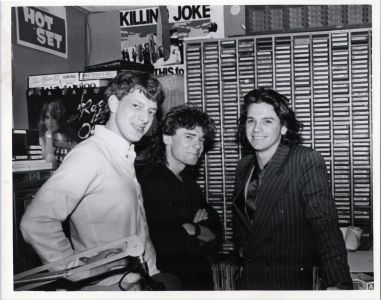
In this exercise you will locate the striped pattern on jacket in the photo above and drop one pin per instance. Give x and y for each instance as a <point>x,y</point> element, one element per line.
<point>295,225</point>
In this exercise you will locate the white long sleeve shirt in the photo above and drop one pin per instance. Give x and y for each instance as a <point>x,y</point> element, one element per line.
<point>96,185</point>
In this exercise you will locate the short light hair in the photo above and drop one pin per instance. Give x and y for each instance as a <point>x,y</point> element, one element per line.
<point>128,81</point>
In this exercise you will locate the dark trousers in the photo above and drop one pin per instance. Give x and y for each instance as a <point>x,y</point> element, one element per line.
<point>272,276</point>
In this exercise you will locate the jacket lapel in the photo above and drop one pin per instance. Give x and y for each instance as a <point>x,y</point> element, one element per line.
<point>238,202</point>
<point>273,183</point>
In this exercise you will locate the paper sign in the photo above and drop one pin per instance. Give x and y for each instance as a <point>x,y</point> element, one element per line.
<point>43,29</point>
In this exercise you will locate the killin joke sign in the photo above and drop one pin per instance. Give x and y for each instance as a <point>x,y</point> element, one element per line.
<point>139,40</point>
<point>42,28</point>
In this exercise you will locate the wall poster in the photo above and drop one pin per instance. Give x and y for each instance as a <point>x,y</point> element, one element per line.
<point>139,41</point>
<point>43,28</point>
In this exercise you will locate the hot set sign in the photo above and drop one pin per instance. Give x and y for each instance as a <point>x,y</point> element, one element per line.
<point>42,28</point>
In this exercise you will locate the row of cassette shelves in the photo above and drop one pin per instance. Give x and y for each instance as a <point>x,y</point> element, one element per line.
<point>303,67</point>
<point>282,55</point>
<point>271,18</point>
<point>344,97</point>
<point>303,84</point>
<point>314,111</point>
<point>340,108</point>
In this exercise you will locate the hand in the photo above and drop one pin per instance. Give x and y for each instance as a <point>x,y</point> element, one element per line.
<point>48,134</point>
<point>114,265</point>
<point>206,235</point>
<point>131,282</point>
<point>200,215</point>
<point>189,228</point>
<point>59,140</point>
<point>332,288</point>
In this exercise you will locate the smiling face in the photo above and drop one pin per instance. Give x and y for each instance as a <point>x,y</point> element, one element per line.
<point>184,148</point>
<point>134,115</point>
<point>264,129</point>
<point>51,123</point>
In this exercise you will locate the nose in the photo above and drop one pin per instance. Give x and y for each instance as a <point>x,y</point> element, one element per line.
<point>198,144</point>
<point>257,127</point>
<point>144,117</point>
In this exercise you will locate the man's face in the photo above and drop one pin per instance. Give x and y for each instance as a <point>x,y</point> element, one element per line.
<point>263,128</point>
<point>134,116</point>
<point>185,147</point>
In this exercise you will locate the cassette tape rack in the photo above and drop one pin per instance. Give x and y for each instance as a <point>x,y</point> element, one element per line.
<point>327,77</point>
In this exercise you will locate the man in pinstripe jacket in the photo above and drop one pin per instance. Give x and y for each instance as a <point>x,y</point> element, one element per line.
<point>285,216</point>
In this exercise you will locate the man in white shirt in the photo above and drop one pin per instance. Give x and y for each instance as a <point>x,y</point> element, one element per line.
<point>96,186</point>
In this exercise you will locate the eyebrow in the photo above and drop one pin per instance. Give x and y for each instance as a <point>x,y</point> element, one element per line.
<point>193,134</point>
<point>190,133</point>
<point>264,118</point>
<point>142,103</point>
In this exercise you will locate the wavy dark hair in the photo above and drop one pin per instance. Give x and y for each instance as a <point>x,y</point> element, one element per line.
<point>127,81</point>
<point>282,110</point>
<point>57,111</point>
<point>183,116</point>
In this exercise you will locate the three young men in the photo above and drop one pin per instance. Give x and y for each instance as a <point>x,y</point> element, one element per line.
<point>285,223</point>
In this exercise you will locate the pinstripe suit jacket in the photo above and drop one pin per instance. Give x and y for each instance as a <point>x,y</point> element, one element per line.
<point>295,224</point>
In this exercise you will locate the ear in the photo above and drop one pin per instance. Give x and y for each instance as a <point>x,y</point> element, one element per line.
<point>113,103</point>
<point>167,139</point>
<point>283,130</point>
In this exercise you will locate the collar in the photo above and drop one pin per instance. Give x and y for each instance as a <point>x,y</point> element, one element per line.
<point>280,156</point>
<point>115,141</point>
<point>274,171</point>
<point>168,172</point>
<point>256,163</point>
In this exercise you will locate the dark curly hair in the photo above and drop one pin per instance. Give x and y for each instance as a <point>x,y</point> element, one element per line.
<point>282,110</point>
<point>183,116</point>
<point>127,81</point>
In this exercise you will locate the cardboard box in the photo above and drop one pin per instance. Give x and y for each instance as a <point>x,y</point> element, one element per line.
<point>362,281</point>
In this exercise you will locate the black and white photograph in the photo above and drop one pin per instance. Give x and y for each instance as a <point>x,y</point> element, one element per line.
<point>173,150</point>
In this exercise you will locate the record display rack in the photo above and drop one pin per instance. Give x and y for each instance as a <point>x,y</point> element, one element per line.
<point>327,77</point>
